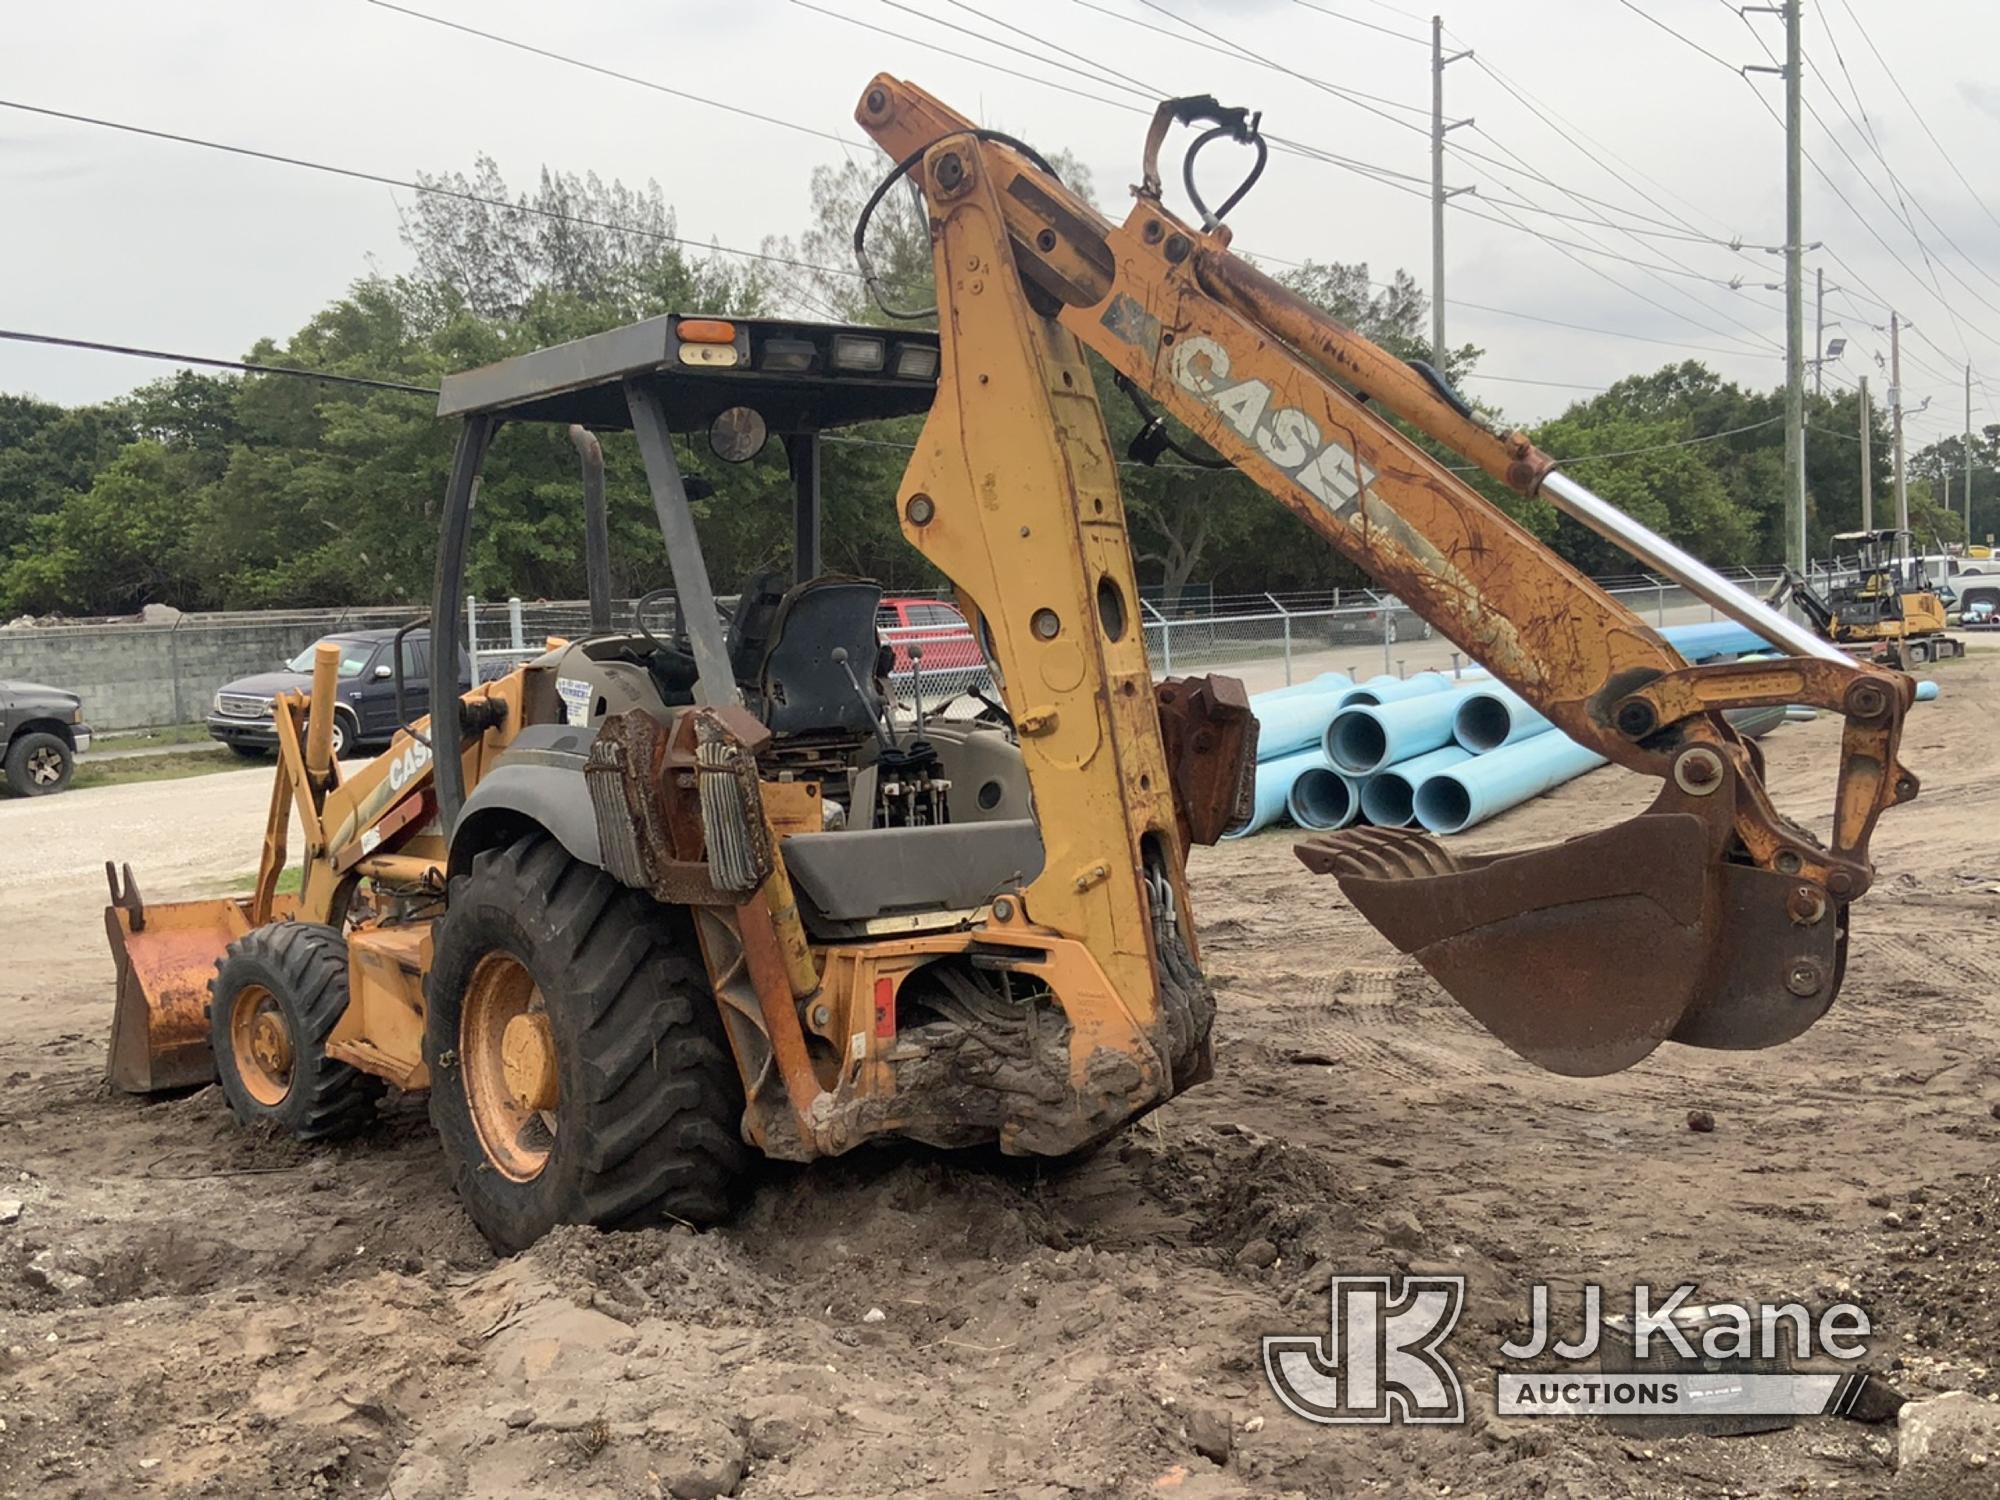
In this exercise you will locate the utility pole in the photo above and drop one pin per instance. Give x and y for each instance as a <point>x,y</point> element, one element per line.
<point>1968,453</point>
<point>1896,412</point>
<point>1867,462</point>
<point>1439,126</point>
<point>1795,313</point>
<point>1795,370</point>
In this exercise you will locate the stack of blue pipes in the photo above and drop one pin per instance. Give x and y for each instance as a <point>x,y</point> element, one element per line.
<point>1432,751</point>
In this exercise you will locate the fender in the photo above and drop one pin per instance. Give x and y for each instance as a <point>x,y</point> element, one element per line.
<point>538,781</point>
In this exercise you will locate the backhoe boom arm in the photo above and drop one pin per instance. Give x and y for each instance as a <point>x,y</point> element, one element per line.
<point>1304,406</point>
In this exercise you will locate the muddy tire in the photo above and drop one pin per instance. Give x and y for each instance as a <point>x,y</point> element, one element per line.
<point>39,764</point>
<point>275,997</point>
<point>579,1073</point>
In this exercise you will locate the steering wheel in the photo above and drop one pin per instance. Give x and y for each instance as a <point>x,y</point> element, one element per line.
<point>639,621</point>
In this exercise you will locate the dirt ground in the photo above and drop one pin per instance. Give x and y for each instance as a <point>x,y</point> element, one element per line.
<point>188,1310</point>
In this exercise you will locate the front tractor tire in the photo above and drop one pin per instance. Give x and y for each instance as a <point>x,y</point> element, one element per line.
<point>579,1073</point>
<point>275,997</point>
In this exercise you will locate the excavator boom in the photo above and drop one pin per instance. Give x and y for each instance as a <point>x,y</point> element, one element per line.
<point>1710,919</point>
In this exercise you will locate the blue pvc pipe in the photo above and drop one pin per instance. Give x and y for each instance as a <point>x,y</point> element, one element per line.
<point>1326,682</point>
<point>1490,717</point>
<point>1388,798</point>
<point>1322,799</point>
<point>1274,785</point>
<point>1387,689</point>
<point>1721,638</point>
<point>1453,800</point>
<point>1292,723</point>
<point>1366,737</point>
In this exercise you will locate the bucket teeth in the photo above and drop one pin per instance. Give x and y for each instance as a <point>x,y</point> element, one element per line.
<point>1376,854</point>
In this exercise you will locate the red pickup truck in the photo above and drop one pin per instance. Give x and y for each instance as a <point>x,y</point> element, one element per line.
<point>937,626</point>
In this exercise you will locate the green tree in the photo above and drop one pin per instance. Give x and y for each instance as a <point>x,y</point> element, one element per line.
<point>46,451</point>
<point>119,544</point>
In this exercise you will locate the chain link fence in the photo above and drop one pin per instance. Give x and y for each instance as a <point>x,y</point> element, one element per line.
<point>135,674</point>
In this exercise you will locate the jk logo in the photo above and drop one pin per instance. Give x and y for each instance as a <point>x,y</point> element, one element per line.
<point>1380,1362</point>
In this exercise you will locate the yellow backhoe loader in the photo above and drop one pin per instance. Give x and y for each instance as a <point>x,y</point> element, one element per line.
<point>660,899</point>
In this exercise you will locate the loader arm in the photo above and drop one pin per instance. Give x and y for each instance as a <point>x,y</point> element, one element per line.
<point>1736,913</point>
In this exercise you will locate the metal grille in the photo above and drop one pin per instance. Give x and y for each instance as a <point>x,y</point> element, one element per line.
<point>242,706</point>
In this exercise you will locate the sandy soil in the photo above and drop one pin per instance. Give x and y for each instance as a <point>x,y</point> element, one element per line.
<point>188,1310</point>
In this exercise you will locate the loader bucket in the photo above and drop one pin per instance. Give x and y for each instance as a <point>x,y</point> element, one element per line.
<point>166,955</point>
<point>1584,956</point>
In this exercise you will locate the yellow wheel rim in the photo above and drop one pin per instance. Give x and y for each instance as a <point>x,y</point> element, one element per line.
<point>508,1053</point>
<point>262,1045</point>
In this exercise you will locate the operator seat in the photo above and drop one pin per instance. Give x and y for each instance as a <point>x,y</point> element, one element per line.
<point>751,626</point>
<point>802,689</point>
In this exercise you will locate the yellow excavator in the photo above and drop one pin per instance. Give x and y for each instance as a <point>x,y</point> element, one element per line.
<point>663,898</point>
<point>1887,607</point>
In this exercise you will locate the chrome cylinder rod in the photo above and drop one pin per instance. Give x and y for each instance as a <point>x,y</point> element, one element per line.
<point>1697,577</point>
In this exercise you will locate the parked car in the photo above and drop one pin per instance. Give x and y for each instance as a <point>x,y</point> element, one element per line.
<point>1363,624</point>
<point>364,695</point>
<point>41,734</point>
<point>952,661</point>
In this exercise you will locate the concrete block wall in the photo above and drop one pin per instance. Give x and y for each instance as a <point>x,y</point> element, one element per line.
<point>135,676</point>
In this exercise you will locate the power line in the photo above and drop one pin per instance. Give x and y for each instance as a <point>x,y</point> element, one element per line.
<point>1558,122</point>
<point>1564,385</point>
<point>1401,36</point>
<point>1682,38</point>
<point>1824,175</point>
<point>1508,312</point>
<point>1693,442</point>
<point>1635,292</point>
<point>1875,144</point>
<point>1890,74</point>
<point>644,83</point>
<point>255,368</point>
<point>1861,218</point>
<point>428,189</point>
<point>1659,274</point>
<point>1713,437</point>
<point>1677,268</point>
<point>248,366</point>
<point>1506,220</point>
<point>1151,90</point>
<point>434,189</point>
<point>914,41</point>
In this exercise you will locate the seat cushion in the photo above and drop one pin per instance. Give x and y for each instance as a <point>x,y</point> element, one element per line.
<point>861,873</point>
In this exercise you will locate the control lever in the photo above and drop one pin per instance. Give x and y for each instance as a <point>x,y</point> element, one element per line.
<point>917,681</point>
<point>887,740</point>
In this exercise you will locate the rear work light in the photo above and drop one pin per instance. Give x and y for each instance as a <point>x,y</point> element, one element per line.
<point>789,356</point>
<point>852,351</point>
<point>916,362</point>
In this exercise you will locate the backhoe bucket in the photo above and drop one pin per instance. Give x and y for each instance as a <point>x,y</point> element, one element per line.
<point>166,955</point>
<point>1585,956</point>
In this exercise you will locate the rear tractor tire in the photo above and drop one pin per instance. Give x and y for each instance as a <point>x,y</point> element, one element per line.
<point>579,1072</point>
<point>275,997</point>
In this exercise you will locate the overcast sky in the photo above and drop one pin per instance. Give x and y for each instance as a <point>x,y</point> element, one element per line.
<point>137,241</point>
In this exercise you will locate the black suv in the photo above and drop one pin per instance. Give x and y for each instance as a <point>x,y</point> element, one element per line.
<point>364,697</point>
<point>41,734</point>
